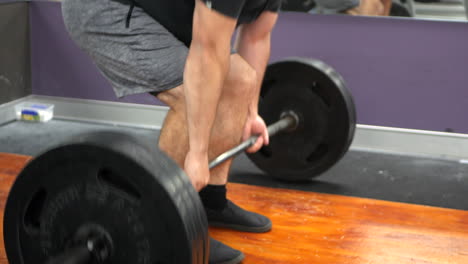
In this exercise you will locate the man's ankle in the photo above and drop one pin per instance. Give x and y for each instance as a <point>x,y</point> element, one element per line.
<point>214,197</point>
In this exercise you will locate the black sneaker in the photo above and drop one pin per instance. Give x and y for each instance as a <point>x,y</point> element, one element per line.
<point>234,217</point>
<point>223,254</point>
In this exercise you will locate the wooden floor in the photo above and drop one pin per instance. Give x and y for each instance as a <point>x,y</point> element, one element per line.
<point>320,228</point>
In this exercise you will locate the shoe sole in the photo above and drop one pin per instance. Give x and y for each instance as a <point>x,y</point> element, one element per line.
<point>257,229</point>
<point>236,260</point>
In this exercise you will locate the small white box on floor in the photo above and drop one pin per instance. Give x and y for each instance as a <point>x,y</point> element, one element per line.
<point>31,111</point>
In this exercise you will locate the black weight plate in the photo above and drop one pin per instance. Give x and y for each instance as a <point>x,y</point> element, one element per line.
<point>317,94</point>
<point>137,194</point>
<point>399,10</point>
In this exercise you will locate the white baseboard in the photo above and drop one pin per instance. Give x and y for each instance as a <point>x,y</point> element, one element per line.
<point>7,110</point>
<point>104,112</point>
<point>411,142</point>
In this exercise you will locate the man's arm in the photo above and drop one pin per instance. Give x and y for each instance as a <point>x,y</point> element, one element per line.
<point>253,44</point>
<point>206,68</point>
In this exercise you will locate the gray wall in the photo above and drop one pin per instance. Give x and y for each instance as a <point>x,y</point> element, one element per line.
<point>402,73</point>
<point>14,51</point>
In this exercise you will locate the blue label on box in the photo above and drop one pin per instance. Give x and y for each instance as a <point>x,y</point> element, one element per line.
<point>39,106</point>
<point>29,112</point>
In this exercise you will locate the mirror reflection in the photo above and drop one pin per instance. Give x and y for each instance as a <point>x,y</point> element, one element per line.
<point>452,10</point>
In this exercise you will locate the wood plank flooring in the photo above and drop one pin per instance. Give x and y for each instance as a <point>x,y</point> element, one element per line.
<point>321,228</point>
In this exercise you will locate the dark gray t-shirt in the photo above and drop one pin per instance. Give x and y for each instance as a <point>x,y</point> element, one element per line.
<point>177,15</point>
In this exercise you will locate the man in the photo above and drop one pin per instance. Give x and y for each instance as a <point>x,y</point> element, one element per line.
<point>180,51</point>
<point>355,7</point>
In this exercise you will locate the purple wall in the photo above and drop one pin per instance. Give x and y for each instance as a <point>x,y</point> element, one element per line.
<point>402,73</point>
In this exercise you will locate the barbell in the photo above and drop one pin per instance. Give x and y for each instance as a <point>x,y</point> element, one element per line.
<point>107,197</point>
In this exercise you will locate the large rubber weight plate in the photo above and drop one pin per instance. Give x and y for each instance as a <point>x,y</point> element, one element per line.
<point>327,119</point>
<point>112,182</point>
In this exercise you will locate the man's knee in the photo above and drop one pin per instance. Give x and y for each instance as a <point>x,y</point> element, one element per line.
<point>372,7</point>
<point>174,98</point>
<point>377,7</point>
<point>245,80</point>
<point>241,81</point>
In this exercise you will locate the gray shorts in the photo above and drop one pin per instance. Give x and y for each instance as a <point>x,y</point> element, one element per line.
<point>336,6</point>
<point>143,58</point>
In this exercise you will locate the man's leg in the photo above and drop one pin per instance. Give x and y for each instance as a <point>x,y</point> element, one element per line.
<point>387,7</point>
<point>367,8</point>
<point>173,138</point>
<point>229,122</point>
<point>227,132</point>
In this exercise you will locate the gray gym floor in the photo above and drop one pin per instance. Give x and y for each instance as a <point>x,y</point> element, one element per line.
<point>382,176</point>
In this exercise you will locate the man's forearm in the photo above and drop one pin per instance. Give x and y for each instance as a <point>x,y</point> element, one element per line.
<point>256,51</point>
<point>204,76</point>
